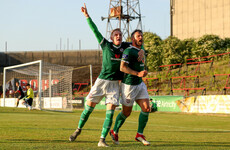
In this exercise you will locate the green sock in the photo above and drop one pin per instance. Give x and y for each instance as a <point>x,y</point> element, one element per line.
<point>119,122</point>
<point>107,123</point>
<point>84,116</point>
<point>143,119</point>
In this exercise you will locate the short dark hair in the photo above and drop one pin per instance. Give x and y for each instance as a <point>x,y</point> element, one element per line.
<point>27,84</point>
<point>117,29</point>
<point>137,30</point>
<point>151,99</point>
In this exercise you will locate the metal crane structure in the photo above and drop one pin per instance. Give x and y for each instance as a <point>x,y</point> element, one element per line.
<point>121,13</point>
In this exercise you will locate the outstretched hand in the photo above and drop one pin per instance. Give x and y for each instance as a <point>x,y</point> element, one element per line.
<point>84,11</point>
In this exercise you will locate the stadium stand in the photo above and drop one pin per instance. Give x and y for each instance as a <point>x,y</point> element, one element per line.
<point>151,83</point>
<point>226,84</point>
<point>169,68</point>
<point>183,85</point>
<point>78,87</point>
<point>198,64</point>
<point>208,56</point>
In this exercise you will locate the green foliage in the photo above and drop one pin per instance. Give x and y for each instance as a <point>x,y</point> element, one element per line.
<point>172,51</point>
<point>188,45</point>
<point>208,45</point>
<point>227,43</point>
<point>152,45</point>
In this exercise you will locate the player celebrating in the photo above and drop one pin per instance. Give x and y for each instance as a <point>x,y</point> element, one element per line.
<point>107,84</point>
<point>133,89</point>
<point>20,92</point>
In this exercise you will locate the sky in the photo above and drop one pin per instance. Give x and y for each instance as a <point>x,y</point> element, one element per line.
<point>38,25</point>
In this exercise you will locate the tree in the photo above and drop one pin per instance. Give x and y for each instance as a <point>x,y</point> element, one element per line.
<point>208,45</point>
<point>172,51</point>
<point>188,45</point>
<point>152,44</point>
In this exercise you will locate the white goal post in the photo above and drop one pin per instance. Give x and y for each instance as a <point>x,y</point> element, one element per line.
<point>52,84</point>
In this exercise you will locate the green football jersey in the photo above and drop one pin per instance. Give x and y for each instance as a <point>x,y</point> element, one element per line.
<point>111,60</point>
<point>111,55</point>
<point>130,56</point>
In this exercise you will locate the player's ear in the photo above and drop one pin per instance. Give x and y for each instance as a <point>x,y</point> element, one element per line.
<point>132,38</point>
<point>111,37</point>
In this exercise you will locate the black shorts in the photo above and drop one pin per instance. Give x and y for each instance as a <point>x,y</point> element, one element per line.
<point>29,101</point>
<point>20,97</point>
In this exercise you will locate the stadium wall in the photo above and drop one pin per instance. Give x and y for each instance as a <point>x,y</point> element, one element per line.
<point>194,18</point>
<point>66,58</point>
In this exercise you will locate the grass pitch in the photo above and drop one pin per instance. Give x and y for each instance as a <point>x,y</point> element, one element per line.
<point>24,129</point>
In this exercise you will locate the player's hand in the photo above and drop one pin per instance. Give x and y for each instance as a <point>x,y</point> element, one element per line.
<point>84,11</point>
<point>142,73</point>
<point>141,54</point>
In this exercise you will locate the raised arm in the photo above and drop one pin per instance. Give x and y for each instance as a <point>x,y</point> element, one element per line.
<point>92,26</point>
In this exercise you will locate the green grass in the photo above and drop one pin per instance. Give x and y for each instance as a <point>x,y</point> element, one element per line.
<point>23,129</point>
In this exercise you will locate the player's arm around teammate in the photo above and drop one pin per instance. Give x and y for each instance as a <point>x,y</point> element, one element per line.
<point>133,89</point>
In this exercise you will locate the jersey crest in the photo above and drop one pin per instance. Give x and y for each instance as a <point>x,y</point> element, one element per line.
<point>117,55</point>
<point>125,56</point>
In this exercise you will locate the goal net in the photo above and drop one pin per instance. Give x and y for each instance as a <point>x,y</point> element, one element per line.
<point>51,83</point>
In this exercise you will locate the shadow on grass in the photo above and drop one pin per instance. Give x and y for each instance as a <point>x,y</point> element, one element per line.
<point>45,141</point>
<point>175,144</point>
<point>39,128</point>
<point>129,144</point>
<point>227,131</point>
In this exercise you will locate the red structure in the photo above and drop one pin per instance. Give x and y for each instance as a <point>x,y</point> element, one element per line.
<point>226,84</point>
<point>198,64</point>
<point>78,87</point>
<point>209,56</point>
<point>169,67</point>
<point>154,82</point>
<point>183,85</point>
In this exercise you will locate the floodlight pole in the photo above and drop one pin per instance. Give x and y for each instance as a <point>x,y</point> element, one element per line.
<point>123,12</point>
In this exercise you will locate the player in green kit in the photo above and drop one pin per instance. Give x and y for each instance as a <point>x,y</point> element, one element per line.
<point>107,84</point>
<point>133,89</point>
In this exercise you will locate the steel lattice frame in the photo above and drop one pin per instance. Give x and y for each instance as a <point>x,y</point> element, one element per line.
<point>130,11</point>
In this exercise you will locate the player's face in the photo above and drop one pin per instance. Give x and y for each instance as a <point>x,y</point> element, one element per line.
<point>138,39</point>
<point>117,37</point>
<point>27,87</point>
<point>16,83</point>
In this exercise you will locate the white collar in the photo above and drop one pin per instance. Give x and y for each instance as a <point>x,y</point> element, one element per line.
<point>116,46</point>
<point>135,47</point>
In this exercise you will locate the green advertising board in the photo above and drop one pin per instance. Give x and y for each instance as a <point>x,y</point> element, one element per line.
<point>167,103</point>
<point>163,103</point>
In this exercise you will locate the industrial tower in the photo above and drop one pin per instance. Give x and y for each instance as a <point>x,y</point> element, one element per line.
<point>121,13</point>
